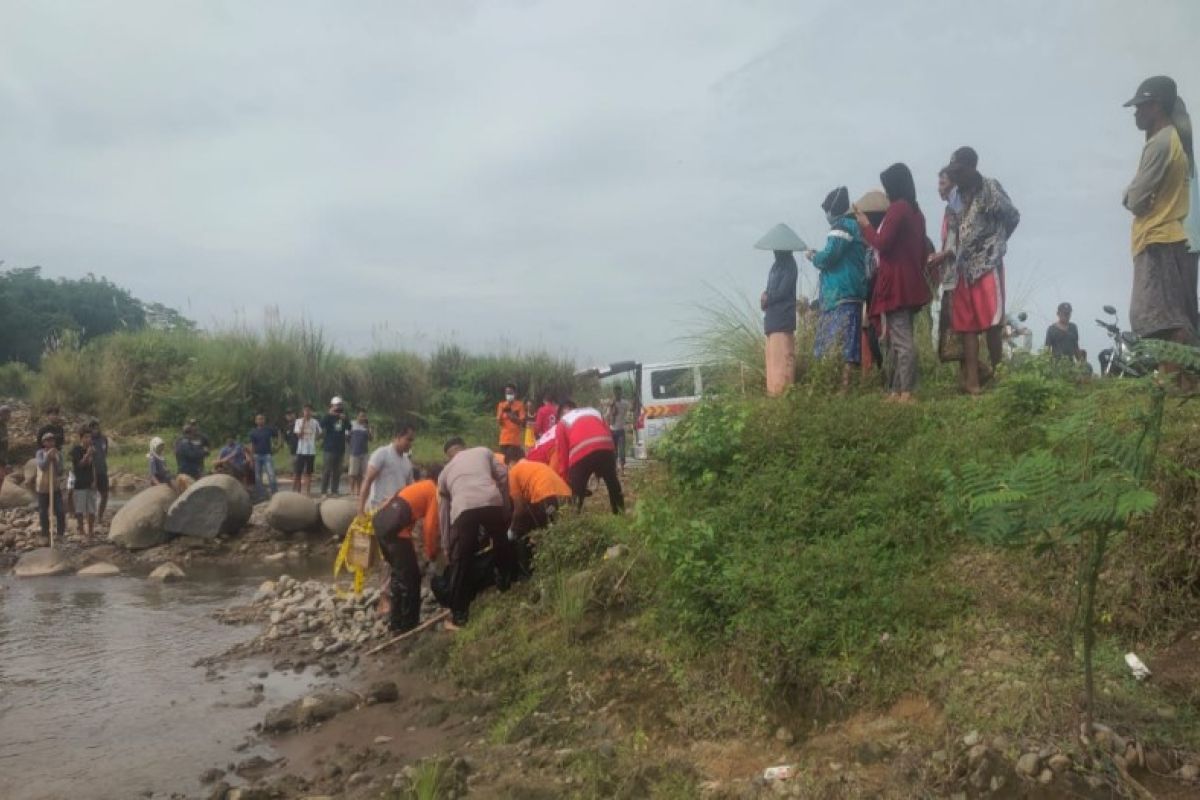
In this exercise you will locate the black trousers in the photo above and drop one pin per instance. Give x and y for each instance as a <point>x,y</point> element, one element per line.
<point>469,529</point>
<point>535,517</point>
<point>405,582</point>
<point>60,514</point>
<point>604,464</point>
<point>331,473</point>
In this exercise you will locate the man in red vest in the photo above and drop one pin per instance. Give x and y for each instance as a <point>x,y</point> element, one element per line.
<point>584,447</point>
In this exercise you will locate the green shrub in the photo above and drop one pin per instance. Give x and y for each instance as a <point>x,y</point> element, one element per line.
<point>16,379</point>
<point>706,444</point>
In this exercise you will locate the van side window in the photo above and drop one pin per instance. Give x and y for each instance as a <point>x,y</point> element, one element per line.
<point>669,383</point>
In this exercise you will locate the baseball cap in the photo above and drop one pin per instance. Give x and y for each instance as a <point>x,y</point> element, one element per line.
<point>1158,87</point>
<point>336,400</point>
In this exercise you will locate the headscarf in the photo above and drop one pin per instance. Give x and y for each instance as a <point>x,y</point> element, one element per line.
<point>155,444</point>
<point>836,203</point>
<point>898,184</point>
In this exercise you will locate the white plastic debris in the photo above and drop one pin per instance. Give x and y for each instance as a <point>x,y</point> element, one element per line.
<point>1140,670</point>
<point>781,773</point>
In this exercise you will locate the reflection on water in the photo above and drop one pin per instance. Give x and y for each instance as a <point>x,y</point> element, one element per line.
<point>98,695</point>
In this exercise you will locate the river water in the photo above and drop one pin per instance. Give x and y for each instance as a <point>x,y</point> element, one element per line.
<point>98,695</point>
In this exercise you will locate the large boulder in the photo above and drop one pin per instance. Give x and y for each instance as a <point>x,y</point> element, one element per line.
<point>42,562</point>
<point>140,523</point>
<point>337,513</point>
<point>213,505</point>
<point>13,495</point>
<point>29,473</point>
<point>291,512</point>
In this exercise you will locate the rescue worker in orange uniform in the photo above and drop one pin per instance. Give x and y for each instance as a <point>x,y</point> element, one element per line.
<point>394,522</point>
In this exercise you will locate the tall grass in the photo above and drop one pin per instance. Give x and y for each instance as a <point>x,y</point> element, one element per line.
<point>154,379</point>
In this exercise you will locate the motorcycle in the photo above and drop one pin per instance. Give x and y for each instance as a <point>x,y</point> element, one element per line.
<point>1017,339</point>
<point>1122,360</point>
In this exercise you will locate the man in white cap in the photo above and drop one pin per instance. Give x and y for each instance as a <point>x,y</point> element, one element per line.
<point>1164,304</point>
<point>335,427</point>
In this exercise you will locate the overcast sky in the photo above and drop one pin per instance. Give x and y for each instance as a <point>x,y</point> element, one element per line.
<point>561,175</point>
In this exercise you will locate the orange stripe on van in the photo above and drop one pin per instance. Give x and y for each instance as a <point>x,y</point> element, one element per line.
<point>667,410</point>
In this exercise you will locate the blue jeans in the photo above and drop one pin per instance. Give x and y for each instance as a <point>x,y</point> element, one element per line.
<point>265,464</point>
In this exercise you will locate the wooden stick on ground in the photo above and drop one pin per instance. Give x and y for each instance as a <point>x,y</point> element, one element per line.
<point>427,624</point>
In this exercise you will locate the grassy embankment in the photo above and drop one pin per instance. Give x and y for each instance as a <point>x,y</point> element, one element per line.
<point>795,563</point>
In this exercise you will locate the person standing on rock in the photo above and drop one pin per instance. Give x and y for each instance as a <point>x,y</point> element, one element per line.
<point>360,438</point>
<point>262,444</point>
<point>306,430</point>
<point>389,470</point>
<point>5,414</point>
<point>393,523</point>
<point>473,499</point>
<point>49,470</point>
<point>100,465</point>
<point>335,427</point>
<point>83,469</point>
<point>159,474</point>
<point>190,452</point>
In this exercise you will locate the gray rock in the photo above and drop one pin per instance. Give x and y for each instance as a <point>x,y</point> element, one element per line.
<point>139,523</point>
<point>1029,765</point>
<point>14,496</point>
<point>337,513</point>
<point>101,569</point>
<point>291,512</point>
<point>29,473</point>
<point>1188,772</point>
<point>166,572</point>
<point>1059,763</point>
<point>314,708</point>
<point>213,505</point>
<point>971,739</point>
<point>1046,777</point>
<point>785,736</point>
<point>43,562</point>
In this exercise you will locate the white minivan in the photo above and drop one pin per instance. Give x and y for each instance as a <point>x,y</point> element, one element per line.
<point>662,394</point>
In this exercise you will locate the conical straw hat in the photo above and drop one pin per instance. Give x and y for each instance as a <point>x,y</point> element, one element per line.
<point>781,237</point>
<point>872,202</point>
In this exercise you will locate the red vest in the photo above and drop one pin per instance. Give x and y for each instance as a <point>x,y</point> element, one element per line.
<point>582,432</point>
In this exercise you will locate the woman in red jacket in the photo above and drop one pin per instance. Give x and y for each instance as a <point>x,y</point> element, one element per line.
<point>900,285</point>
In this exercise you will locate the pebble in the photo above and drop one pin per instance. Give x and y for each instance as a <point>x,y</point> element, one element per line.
<point>1059,763</point>
<point>382,739</point>
<point>971,739</point>
<point>1189,772</point>
<point>1028,764</point>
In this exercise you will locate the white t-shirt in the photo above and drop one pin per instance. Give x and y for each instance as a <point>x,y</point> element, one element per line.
<point>306,436</point>
<point>395,472</point>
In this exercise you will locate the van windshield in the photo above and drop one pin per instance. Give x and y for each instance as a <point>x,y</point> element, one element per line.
<point>668,383</point>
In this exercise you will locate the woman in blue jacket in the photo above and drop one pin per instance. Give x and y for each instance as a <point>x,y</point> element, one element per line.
<point>842,263</point>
